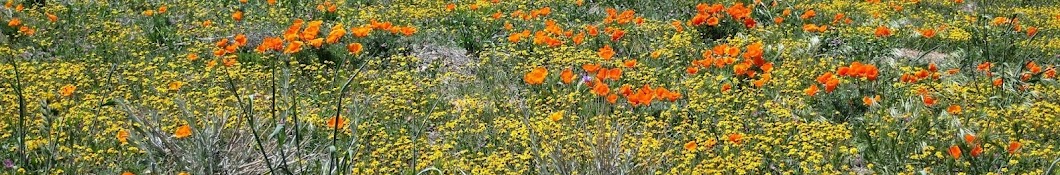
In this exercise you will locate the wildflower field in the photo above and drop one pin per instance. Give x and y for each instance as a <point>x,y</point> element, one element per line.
<point>530,87</point>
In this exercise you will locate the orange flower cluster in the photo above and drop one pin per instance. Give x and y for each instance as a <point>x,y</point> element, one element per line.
<point>753,64</point>
<point>883,31</point>
<point>327,6</point>
<point>855,70</point>
<point>625,17</point>
<point>828,80</point>
<point>296,37</point>
<point>645,95</point>
<point>985,67</point>
<point>551,35</point>
<point>226,49</point>
<point>711,14</point>
<point>858,70</point>
<point>931,71</point>
<point>1033,69</point>
<point>598,85</point>
<point>533,14</point>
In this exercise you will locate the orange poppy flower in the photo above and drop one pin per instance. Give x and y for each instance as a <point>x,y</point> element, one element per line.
<point>229,61</point>
<point>515,37</point>
<point>590,68</point>
<point>928,100</point>
<point>882,31</point>
<point>67,90</point>
<point>450,7</point>
<point>690,146</point>
<point>336,122</point>
<point>677,25</point>
<point>922,74</point>
<point>123,136</point>
<point>497,15</point>
<point>612,98</point>
<point>1033,67</point>
<point>354,48</point>
<point>536,76</point>
<point>592,30</point>
<point>241,40</point>
<point>556,116</point>
<point>985,66</point>
<point>713,21</point>
<point>809,27</point>
<point>361,32</point>
<point>969,138</point>
<point>762,81</point>
<point>927,33</point>
<point>193,56</point>
<point>336,33</point>
<point>1050,73</point>
<point>811,91</point>
<point>824,78</point>
<point>617,34</point>
<point>808,14</point>
<point>692,69</point>
<point>625,90</point>
<point>219,52</point>
<point>629,63</point>
<point>726,87</point>
<point>577,39</point>
<point>643,96</point>
<point>831,85</point>
<point>52,17</point>
<point>606,52</point>
<point>977,150</point>
<point>312,30</point>
<point>567,76</point>
<point>868,101</point>
<point>380,25</point>
<point>293,47</point>
<point>1031,31</point>
<point>182,132</point>
<point>174,86</point>
<point>316,42</point>
<point>999,21</point>
<point>735,138</point>
<point>839,16</point>
<point>698,19</point>
<point>1013,146</point>
<point>601,89</point>
<point>270,43</point>
<point>238,15</point>
<point>612,74</point>
<point>408,30</point>
<point>954,110</point>
<point>292,31</point>
<point>955,152</point>
<point>998,82</point>
<point>953,71</point>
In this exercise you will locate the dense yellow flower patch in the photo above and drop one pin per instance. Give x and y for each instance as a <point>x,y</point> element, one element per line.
<point>530,87</point>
